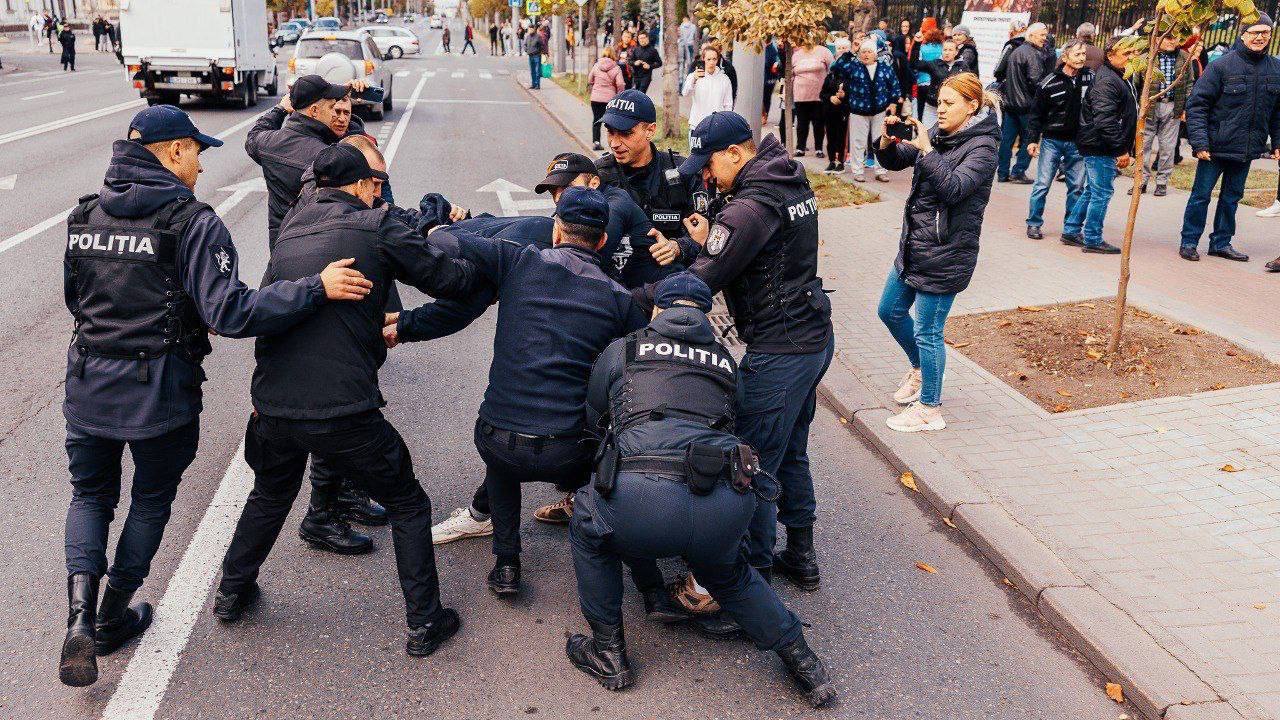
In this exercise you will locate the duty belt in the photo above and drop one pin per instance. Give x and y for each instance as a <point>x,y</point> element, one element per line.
<point>651,464</point>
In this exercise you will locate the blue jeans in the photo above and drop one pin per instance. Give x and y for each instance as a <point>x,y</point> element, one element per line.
<point>1091,210</point>
<point>535,71</point>
<point>777,398</point>
<point>95,491</point>
<point>1233,176</point>
<point>1055,154</point>
<point>920,338</point>
<point>1013,126</point>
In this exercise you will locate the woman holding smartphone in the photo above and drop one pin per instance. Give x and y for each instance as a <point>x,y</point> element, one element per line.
<point>942,221</point>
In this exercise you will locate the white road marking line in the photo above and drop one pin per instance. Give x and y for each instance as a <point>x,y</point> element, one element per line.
<point>402,73</point>
<point>8,182</point>
<point>68,121</point>
<point>60,217</point>
<point>429,73</point>
<point>486,75</point>
<point>461,101</point>
<point>403,123</point>
<point>457,74</point>
<point>146,678</point>
<point>43,95</point>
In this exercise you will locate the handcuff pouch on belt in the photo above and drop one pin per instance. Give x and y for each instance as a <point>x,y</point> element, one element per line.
<point>746,465</point>
<point>607,457</point>
<point>705,464</point>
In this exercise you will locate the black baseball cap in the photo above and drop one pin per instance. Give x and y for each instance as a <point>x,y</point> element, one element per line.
<point>166,122</point>
<point>583,206</point>
<point>682,286</point>
<point>340,164</point>
<point>564,169</point>
<point>716,132</point>
<point>310,88</point>
<point>627,109</point>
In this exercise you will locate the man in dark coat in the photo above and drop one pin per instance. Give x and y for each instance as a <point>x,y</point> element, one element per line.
<point>67,39</point>
<point>1108,123</point>
<point>966,48</point>
<point>644,59</point>
<point>1023,69</point>
<point>1233,117</point>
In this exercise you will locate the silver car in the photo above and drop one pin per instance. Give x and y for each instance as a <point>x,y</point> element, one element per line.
<point>341,56</point>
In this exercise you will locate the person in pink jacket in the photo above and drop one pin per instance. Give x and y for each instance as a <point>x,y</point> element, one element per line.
<point>811,64</point>
<point>605,81</point>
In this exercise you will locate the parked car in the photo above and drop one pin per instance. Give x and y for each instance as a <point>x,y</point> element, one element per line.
<point>287,33</point>
<point>380,18</point>
<point>394,42</point>
<point>342,56</point>
<point>327,23</point>
<point>436,23</point>
<point>409,18</point>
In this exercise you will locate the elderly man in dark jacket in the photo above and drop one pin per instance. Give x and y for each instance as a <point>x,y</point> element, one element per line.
<point>1233,116</point>
<point>1053,128</point>
<point>1023,70</point>
<point>1108,123</point>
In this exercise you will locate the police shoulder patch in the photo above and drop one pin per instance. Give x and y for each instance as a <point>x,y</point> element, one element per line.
<point>718,238</point>
<point>222,259</point>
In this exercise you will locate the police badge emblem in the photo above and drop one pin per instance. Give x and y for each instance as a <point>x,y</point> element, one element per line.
<point>717,239</point>
<point>223,258</point>
<point>701,201</point>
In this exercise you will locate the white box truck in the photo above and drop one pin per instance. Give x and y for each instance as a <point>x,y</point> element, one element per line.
<point>208,48</point>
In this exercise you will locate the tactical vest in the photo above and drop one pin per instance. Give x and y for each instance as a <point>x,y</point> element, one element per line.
<point>129,302</point>
<point>672,204</point>
<point>665,378</point>
<point>777,302</point>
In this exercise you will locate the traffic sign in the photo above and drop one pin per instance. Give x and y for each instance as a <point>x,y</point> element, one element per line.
<point>580,2</point>
<point>532,7</point>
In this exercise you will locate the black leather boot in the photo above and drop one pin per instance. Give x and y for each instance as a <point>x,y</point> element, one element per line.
<point>79,665</point>
<point>118,621</point>
<point>425,639</point>
<point>799,563</point>
<point>356,506</point>
<point>720,626</point>
<point>602,656</point>
<point>659,607</point>
<point>504,578</point>
<point>809,672</point>
<point>324,530</point>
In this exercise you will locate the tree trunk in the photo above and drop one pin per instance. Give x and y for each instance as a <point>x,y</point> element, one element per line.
<point>789,99</point>
<point>1126,248</point>
<point>592,37</point>
<point>617,20</point>
<point>670,69</point>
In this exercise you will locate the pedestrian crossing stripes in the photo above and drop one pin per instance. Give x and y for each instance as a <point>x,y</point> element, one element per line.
<point>486,75</point>
<point>454,72</point>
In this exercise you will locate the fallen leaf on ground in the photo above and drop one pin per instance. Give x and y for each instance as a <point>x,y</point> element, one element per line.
<point>1008,582</point>
<point>1030,308</point>
<point>1126,395</point>
<point>1115,692</point>
<point>844,421</point>
<point>1231,353</point>
<point>1060,407</point>
<point>1260,606</point>
<point>1086,305</point>
<point>908,480</point>
<point>1005,323</point>
<point>926,567</point>
<point>1230,468</point>
<point>1217,386</point>
<point>1093,354</point>
<point>960,345</point>
<point>1162,429</point>
<point>1063,393</point>
<point>1123,716</point>
<point>947,521</point>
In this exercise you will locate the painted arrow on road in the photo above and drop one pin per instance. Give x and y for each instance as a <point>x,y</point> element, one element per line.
<point>240,191</point>
<point>511,207</point>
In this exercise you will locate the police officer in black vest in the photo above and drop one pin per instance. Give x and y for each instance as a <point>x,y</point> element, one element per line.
<point>674,480</point>
<point>761,249</point>
<point>651,177</point>
<point>285,141</point>
<point>315,391</point>
<point>149,272</point>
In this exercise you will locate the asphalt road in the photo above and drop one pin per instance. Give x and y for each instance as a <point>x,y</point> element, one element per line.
<point>327,640</point>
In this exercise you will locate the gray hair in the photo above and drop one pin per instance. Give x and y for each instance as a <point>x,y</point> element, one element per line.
<point>1086,30</point>
<point>961,30</point>
<point>869,44</point>
<point>1036,27</point>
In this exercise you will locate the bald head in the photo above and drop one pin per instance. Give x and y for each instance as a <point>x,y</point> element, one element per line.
<point>369,149</point>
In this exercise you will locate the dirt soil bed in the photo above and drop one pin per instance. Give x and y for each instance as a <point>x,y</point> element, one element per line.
<point>1056,355</point>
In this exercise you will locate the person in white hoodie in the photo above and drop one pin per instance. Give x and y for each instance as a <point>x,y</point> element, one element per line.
<point>709,86</point>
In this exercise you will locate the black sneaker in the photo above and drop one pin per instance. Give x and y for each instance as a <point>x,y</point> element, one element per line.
<point>1033,232</point>
<point>504,579</point>
<point>426,639</point>
<point>326,531</point>
<point>819,154</point>
<point>1020,180</point>
<point>1072,239</point>
<point>1229,253</point>
<point>1103,248</point>
<point>839,167</point>
<point>1003,179</point>
<point>1188,253</point>
<point>228,607</point>
<point>1162,190</point>
<point>799,153</point>
<point>1141,189</point>
<point>831,166</point>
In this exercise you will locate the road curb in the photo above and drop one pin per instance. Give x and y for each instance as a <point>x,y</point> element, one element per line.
<point>1157,683</point>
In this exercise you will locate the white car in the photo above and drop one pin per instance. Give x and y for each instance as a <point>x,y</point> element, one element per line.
<point>436,22</point>
<point>394,42</point>
<point>340,57</point>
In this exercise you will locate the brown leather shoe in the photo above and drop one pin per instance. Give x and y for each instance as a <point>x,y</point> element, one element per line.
<point>695,602</point>
<point>556,513</point>
<point>1273,266</point>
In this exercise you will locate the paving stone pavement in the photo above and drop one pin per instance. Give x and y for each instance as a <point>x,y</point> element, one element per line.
<point>1169,573</point>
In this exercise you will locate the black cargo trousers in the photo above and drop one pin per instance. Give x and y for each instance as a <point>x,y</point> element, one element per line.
<point>363,446</point>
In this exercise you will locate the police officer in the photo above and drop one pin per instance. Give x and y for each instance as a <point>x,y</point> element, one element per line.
<point>762,251</point>
<point>557,309</point>
<point>149,272</point>
<point>649,176</point>
<point>285,141</point>
<point>673,480</point>
<point>315,391</point>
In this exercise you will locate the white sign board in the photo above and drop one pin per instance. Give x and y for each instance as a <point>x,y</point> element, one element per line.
<point>990,31</point>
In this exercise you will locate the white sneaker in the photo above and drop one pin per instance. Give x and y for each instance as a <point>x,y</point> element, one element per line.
<point>1273,211</point>
<point>909,391</point>
<point>917,418</point>
<point>460,525</point>
<point>859,177</point>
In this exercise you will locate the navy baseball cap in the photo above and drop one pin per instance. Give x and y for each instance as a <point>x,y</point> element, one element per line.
<point>716,132</point>
<point>583,206</point>
<point>682,286</point>
<point>310,88</point>
<point>340,164</point>
<point>159,123</point>
<point>627,109</point>
<point>564,169</point>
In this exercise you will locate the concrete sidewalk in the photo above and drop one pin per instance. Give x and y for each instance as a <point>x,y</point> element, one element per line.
<point>1116,522</point>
